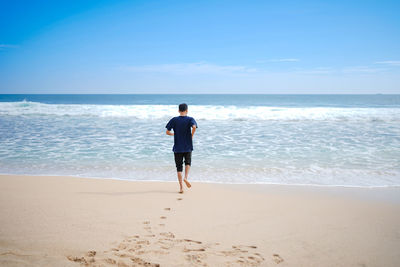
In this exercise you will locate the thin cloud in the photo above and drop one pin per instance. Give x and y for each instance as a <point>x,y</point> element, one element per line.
<point>279,60</point>
<point>199,68</point>
<point>191,68</point>
<point>284,60</point>
<point>361,69</point>
<point>343,70</point>
<point>5,46</point>
<point>319,70</point>
<point>389,62</point>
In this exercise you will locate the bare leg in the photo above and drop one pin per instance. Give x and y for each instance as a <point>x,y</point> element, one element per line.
<point>180,182</point>
<point>187,168</point>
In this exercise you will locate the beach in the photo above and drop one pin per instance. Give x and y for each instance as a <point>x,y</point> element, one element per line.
<point>68,221</point>
<point>200,133</point>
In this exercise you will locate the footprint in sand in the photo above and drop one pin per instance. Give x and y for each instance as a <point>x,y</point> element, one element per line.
<point>179,198</point>
<point>194,241</point>
<point>142,262</point>
<point>193,249</point>
<point>130,250</point>
<point>147,227</point>
<point>110,261</point>
<point>122,246</point>
<point>91,253</point>
<point>167,208</point>
<point>277,258</point>
<point>167,234</point>
<point>77,259</point>
<point>240,248</point>
<point>143,242</point>
<point>155,245</point>
<point>195,259</point>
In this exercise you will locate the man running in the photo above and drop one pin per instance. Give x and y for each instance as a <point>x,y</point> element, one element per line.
<point>184,128</point>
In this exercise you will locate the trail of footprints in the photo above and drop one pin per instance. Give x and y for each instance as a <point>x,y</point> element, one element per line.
<point>134,250</point>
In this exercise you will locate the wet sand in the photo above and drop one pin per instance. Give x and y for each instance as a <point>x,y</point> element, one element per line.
<point>67,221</point>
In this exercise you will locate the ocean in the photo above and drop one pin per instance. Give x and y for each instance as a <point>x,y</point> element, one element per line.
<point>334,140</point>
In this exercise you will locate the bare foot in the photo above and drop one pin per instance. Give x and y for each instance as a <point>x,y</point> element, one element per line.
<point>187,183</point>
<point>181,191</point>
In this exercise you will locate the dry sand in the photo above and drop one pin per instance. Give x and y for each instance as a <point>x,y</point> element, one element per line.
<point>65,221</point>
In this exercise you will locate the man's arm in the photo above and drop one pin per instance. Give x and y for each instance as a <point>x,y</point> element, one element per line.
<point>193,129</point>
<point>168,132</point>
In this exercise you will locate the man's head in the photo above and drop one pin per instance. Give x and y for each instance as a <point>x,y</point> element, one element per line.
<point>183,109</point>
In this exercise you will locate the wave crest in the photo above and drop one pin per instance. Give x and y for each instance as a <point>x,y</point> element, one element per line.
<point>202,112</point>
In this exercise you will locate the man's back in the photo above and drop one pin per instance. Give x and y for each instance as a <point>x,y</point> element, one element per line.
<point>182,133</point>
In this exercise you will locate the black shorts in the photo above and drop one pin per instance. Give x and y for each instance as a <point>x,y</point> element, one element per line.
<point>179,160</point>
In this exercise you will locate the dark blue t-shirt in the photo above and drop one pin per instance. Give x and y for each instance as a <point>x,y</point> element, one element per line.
<point>182,133</point>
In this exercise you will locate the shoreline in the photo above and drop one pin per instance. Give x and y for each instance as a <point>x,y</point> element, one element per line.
<point>205,182</point>
<point>56,220</point>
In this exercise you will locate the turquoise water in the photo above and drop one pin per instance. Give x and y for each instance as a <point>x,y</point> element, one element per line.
<point>351,140</point>
<point>352,101</point>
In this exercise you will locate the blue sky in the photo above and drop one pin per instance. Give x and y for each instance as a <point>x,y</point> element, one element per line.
<point>200,47</point>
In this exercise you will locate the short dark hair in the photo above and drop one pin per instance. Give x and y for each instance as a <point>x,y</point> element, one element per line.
<point>183,107</point>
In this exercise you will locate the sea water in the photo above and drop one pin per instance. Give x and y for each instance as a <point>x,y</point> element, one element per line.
<point>350,140</point>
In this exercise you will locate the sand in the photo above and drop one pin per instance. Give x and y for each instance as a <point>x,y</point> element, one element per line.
<point>67,221</point>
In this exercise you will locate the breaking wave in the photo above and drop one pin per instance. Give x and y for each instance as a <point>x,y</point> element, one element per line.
<point>202,112</point>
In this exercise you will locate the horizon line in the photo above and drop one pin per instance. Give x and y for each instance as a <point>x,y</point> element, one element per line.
<point>198,94</point>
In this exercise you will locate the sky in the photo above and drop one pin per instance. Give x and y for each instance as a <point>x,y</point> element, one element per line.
<point>266,47</point>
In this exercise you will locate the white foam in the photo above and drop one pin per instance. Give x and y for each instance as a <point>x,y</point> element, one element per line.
<point>203,112</point>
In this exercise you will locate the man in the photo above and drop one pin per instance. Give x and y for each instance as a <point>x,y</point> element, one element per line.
<point>184,128</point>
